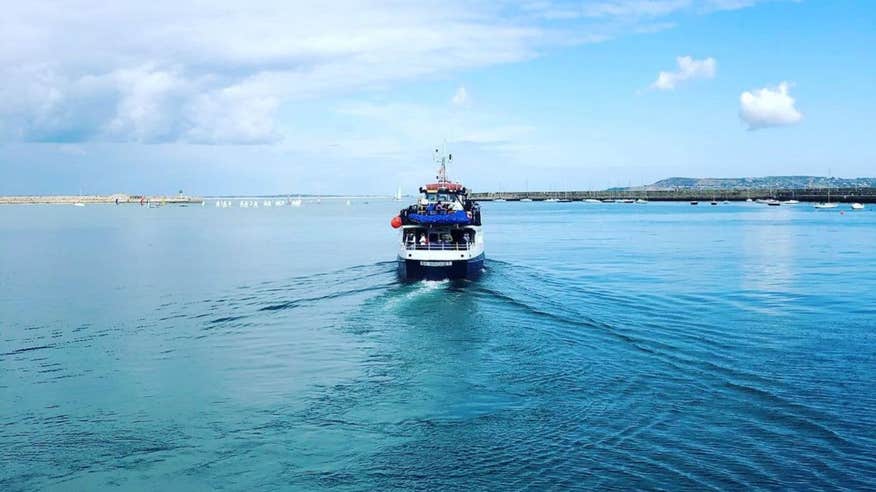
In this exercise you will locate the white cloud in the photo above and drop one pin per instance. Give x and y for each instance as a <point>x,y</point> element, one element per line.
<point>460,97</point>
<point>688,69</point>
<point>165,71</point>
<point>770,106</point>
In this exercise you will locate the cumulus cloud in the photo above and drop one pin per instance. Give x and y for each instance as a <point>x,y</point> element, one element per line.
<point>688,69</point>
<point>169,71</point>
<point>460,97</point>
<point>767,107</point>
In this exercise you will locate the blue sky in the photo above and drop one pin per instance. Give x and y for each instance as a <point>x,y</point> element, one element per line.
<point>278,97</point>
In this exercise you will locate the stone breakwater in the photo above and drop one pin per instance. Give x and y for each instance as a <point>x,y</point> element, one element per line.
<point>95,199</point>
<point>848,195</point>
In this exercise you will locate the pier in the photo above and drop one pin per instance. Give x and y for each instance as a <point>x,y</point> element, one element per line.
<point>118,198</point>
<point>843,195</point>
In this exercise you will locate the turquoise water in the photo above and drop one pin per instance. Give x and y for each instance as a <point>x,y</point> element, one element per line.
<point>607,346</point>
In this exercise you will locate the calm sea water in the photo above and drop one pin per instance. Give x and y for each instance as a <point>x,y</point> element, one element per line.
<point>607,346</point>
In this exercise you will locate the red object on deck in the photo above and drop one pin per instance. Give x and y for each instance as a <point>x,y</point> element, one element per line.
<point>396,222</point>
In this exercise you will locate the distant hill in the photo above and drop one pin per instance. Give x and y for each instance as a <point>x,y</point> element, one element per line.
<point>781,182</point>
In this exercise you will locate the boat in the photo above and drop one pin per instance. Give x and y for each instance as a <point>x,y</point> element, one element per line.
<point>857,206</point>
<point>641,200</point>
<point>526,199</point>
<point>296,202</point>
<point>749,200</point>
<point>592,200</point>
<point>828,203</point>
<point>694,202</point>
<point>398,195</point>
<point>791,202</point>
<point>773,203</point>
<point>713,202</point>
<point>500,200</point>
<point>626,200</point>
<point>78,204</point>
<point>441,235</point>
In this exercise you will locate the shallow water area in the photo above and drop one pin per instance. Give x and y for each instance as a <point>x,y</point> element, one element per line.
<point>626,346</point>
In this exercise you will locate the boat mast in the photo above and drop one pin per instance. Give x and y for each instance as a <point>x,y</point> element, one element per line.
<point>442,159</point>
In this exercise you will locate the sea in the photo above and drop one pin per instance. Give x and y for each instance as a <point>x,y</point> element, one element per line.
<point>607,346</point>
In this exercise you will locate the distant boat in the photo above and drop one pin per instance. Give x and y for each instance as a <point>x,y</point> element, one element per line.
<point>348,203</point>
<point>749,200</point>
<point>499,200</point>
<point>78,204</point>
<point>827,204</point>
<point>626,200</point>
<point>791,202</point>
<point>592,200</point>
<point>609,200</point>
<point>296,202</point>
<point>713,202</point>
<point>773,203</point>
<point>857,206</point>
<point>726,202</point>
<point>641,200</point>
<point>526,199</point>
<point>552,200</point>
<point>398,194</point>
<point>694,202</point>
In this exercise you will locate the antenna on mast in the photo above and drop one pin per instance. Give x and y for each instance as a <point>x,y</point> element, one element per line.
<point>441,159</point>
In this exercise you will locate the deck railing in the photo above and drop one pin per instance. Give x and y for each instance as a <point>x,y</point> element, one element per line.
<point>439,246</point>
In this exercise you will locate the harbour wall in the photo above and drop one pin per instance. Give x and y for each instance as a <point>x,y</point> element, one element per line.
<point>95,199</point>
<point>846,195</point>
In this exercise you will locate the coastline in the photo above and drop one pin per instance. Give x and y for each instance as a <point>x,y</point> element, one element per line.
<point>96,199</point>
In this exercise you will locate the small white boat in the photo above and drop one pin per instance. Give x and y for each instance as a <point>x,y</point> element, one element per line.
<point>641,200</point>
<point>552,200</point>
<point>772,202</point>
<point>591,200</point>
<point>78,204</point>
<point>790,202</point>
<point>626,200</point>
<point>857,206</point>
<point>526,199</point>
<point>749,200</point>
<point>296,202</point>
<point>499,200</point>
<point>828,203</point>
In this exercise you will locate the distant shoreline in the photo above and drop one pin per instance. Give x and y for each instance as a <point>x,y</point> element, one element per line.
<point>95,199</point>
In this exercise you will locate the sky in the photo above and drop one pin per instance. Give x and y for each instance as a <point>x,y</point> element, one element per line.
<point>349,97</point>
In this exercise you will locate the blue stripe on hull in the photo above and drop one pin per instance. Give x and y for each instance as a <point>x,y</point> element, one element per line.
<point>462,269</point>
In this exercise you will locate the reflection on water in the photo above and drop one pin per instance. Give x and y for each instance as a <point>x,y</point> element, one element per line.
<point>657,346</point>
